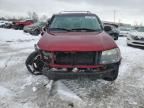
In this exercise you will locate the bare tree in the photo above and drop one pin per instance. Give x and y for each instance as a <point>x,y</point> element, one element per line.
<point>30,15</point>
<point>43,18</point>
<point>33,16</point>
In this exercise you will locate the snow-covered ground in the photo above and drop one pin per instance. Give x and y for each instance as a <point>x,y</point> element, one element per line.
<point>20,89</point>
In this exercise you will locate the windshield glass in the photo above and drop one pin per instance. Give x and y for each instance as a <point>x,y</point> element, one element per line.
<point>125,29</point>
<point>83,22</point>
<point>38,24</point>
<point>141,29</point>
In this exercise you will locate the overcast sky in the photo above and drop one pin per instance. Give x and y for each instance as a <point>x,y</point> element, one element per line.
<point>128,11</point>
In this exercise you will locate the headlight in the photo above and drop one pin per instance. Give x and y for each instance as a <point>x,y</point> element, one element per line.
<point>47,54</point>
<point>110,56</point>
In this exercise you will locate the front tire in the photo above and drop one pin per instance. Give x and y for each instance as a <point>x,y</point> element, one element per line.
<point>21,27</point>
<point>34,64</point>
<point>129,44</point>
<point>35,32</point>
<point>115,36</point>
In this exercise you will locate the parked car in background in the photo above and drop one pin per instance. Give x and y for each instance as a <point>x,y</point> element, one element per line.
<point>124,31</point>
<point>8,25</point>
<point>5,24</point>
<point>1,24</point>
<point>74,45</point>
<point>136,38</point>
<point>20,24</point>
<point>114,32</point>
<point>35,28</point>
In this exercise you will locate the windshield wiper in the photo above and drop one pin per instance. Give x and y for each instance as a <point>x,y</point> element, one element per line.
<point>86,29</point>
<point>60,29</point>
<point>77,29</point>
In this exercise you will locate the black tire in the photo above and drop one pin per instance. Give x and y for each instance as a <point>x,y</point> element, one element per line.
<point>21,27</point>
<point>36,32</point>
<point>128,44</point>
<point>113,76</point>
<point>16,27</point>
<point>115,36</point>
<point>34,64</point>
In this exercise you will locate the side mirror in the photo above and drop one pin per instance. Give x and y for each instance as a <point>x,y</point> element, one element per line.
<point>107,28</point>
<point>42,33</point>
<point>43,30</point>
<point>48,21</point>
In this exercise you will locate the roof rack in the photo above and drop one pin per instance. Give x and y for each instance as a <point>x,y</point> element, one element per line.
<point>75,12</point>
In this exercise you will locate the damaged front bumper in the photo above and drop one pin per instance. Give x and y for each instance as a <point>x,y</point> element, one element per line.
<point>90,74</point>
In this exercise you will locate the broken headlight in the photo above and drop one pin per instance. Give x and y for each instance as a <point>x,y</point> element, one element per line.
<point>110,56</point>
<point>47,54</point>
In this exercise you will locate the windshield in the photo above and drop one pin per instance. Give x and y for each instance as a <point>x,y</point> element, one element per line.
<point>83,22</point>
<point>37,24</point>
<point>141,29</point>
<point>125,29</point>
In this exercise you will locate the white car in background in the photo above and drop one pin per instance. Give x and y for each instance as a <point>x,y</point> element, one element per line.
<point>136,38</point>
<point>1,23</point>
<point>124,31</point>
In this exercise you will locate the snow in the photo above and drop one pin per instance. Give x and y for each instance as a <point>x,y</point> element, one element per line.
<point>20,36</point>
<point>65,93</point>
<point>18,88</point>
<point>5,92</point>
<point>34,89</point>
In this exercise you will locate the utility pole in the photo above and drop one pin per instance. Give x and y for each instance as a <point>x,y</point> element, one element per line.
<point>119,22</point>
<point>114,16</point>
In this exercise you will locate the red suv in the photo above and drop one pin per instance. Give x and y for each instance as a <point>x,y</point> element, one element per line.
<point>20,24</point>
<point>75,45</point>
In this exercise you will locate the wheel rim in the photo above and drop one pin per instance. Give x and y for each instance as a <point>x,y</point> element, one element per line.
<point>34,67</point>
<point>36,32</point>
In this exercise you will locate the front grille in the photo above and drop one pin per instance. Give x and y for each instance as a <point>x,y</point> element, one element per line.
<point>77,58</point>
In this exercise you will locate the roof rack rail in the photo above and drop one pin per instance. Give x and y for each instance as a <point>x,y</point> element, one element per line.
<point>75,12</point>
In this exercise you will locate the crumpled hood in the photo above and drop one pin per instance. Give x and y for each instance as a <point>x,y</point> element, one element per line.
<point>76,41</point>
<point>139,34</point>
